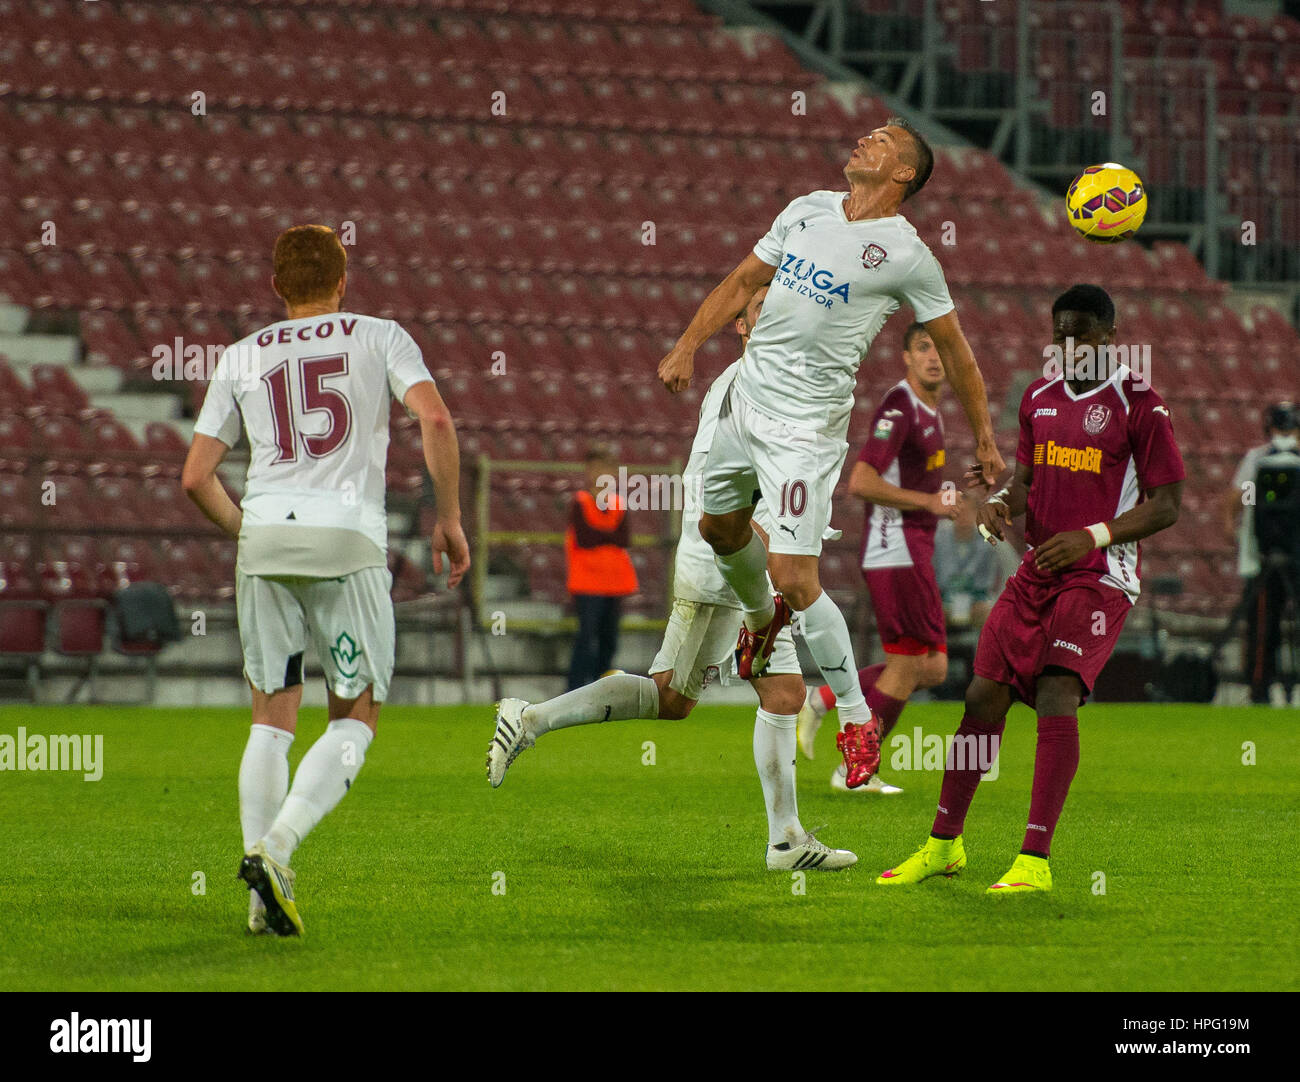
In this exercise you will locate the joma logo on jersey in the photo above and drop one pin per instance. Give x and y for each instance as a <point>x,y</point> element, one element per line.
<point>935,460</point>
<point>1073,459</point>
<point>803,276</point>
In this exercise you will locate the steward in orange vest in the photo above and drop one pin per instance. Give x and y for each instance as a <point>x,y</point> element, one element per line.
<point>595,545</point>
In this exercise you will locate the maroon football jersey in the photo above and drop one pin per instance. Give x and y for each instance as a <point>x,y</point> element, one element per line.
<point>1093,455</point>
<point>906,449</point>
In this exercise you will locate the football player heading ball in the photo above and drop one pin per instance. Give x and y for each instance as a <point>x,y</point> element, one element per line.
<point>839,263</point>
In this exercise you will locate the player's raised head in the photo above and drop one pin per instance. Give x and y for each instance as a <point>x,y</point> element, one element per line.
<point>922,358</point>
<point>1085,313</point>
<point>893,154</point>
<point>310,264</point>
<point>747,317</point>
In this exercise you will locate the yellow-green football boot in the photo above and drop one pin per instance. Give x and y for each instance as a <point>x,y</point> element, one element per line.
<point>938,856</point>
<point>1026,874</point>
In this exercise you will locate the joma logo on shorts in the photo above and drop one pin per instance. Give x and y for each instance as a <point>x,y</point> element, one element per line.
<point>1068,646</point>
<point>1073,459</point>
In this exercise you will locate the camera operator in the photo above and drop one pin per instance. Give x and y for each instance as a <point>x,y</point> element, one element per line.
<point>1261,513</point>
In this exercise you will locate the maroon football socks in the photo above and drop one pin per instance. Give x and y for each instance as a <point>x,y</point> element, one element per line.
<point>1056,758</point>
<point>972,753</point>
<point>885,707</point>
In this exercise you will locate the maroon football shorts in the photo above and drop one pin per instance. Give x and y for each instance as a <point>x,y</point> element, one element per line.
<point>909,609</point>
<point>1072,622</point>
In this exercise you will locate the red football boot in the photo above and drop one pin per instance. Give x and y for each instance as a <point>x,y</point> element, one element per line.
<point>860,746</point>
<point>754,648</point>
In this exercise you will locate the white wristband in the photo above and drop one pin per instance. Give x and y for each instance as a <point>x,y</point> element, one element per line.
<point>1100,534</point>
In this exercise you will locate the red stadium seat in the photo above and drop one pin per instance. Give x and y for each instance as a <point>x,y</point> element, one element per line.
<point>13,392</point>
<point>23,633</point>
<point>79,628</point>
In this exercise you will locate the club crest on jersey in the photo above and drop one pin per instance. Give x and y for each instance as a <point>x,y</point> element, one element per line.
<point>873,255</point>
<point>1096,419</point>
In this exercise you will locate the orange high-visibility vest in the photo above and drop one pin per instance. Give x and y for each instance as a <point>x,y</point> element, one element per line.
<point>595,545</point>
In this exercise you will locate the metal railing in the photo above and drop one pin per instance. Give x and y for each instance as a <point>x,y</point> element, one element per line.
<point>486,539</point>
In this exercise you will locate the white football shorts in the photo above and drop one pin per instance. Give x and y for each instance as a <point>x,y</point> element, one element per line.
<point>348,621</point>
<point>699,648</point>
<point>796,470</point>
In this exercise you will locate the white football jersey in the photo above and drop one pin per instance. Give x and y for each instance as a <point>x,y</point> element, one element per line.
<point>836,283</point>
<point>314,395</point>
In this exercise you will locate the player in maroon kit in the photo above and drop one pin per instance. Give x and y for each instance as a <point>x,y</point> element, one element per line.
<point>1097,470</point>
<point>899,474</point>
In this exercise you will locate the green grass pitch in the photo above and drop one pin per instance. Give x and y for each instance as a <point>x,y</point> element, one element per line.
<point>623,875</point>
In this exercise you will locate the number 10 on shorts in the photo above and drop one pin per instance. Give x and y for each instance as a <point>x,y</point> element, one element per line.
<point>794,499</point>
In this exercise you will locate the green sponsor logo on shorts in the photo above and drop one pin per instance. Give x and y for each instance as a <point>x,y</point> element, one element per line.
<point>345,652</point>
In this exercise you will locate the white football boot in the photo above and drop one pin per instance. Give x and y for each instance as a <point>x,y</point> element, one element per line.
<point>807,726</point>
<point>807,855</point>
<point>874,784</point>
<point>274,882</point>
<point>511,737</point>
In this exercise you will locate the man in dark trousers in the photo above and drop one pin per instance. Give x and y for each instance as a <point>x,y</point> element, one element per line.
<point>600,570</point>
<point>1267,578</point>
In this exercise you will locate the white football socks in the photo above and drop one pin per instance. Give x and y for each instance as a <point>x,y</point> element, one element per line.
<point>263,780</point>
<point>774,740</point>
<point>745,571</point>
<point>324,776</point>
<point>621,697</point>
<point>827,635</point>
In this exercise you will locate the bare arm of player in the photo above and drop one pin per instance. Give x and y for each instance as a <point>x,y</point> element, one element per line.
<point>1157,512</point>
<point>202,485</point>
<point>442,458</point>
<point>731,295</point>
<point>1231,511</point>
<point>999,509</point>
<point>968,385</point>
<point>865,481</point>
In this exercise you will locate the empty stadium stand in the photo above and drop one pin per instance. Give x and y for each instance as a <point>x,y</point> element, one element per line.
<point>1177,58</point>
<point>556,183</point>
